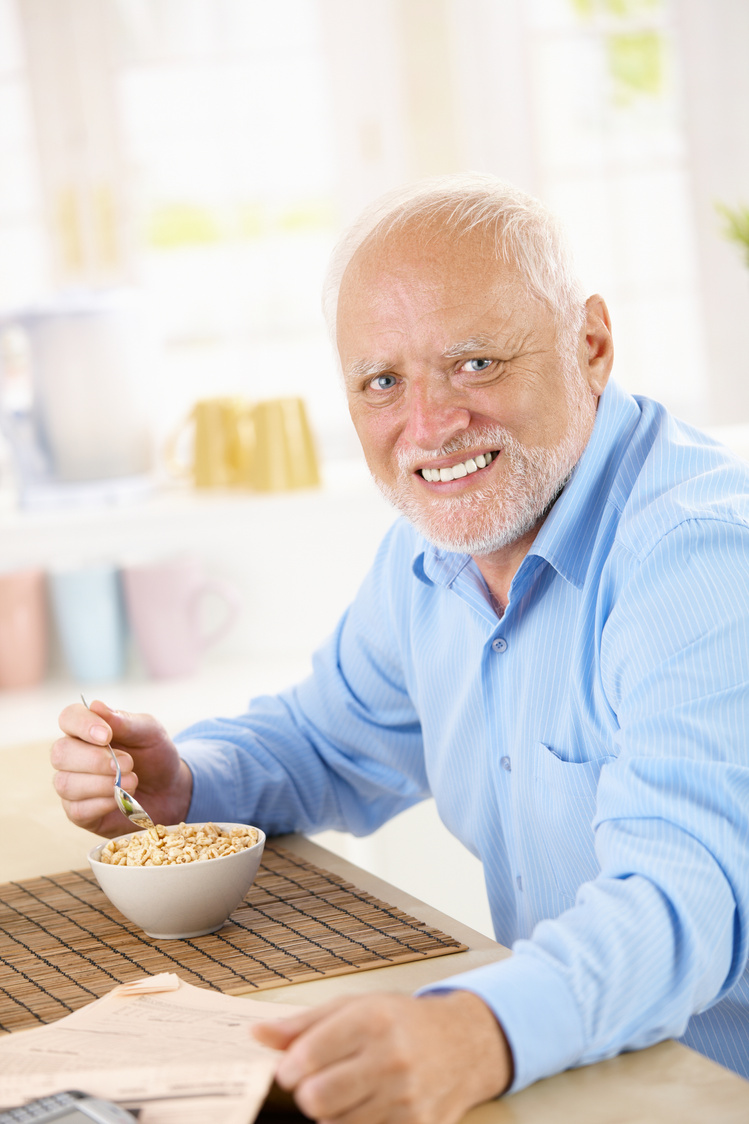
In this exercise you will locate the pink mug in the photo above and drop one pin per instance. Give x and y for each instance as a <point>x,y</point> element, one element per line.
<point>23,629</point>
<point>164,603</point>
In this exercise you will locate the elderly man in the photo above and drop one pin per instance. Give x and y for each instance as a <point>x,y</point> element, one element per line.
<point>553,643</point>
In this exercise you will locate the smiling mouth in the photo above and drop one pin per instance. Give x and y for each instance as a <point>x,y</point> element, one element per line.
<point>458,471</point>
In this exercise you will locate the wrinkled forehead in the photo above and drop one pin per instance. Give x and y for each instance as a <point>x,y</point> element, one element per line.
<point>423,266</point>
<point>429,247</point>
<point>424,257</point>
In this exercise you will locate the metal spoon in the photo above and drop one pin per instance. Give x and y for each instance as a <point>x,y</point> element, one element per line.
<point>127,804</point>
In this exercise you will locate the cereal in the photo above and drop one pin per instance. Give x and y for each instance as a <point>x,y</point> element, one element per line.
<point>187,843</point>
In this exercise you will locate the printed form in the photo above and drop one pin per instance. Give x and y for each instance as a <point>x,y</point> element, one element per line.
<point>180,1054</point>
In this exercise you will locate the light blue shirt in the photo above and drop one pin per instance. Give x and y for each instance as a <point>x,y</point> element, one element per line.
<point>591,747</point>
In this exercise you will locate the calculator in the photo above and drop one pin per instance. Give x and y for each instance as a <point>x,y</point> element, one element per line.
<point>70,1107</point>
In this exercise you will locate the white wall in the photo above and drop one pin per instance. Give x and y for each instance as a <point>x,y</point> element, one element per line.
<point>715,46</point>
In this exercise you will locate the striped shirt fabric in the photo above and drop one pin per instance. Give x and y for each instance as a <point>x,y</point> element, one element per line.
<point>591,746</point>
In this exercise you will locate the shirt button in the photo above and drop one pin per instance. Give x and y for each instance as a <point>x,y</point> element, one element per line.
<point>500,644</point>
<point>506,764</point>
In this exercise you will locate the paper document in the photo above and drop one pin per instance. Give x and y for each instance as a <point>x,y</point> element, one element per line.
<point>178,1053</point>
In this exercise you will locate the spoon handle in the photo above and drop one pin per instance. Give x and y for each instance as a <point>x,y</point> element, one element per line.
<point>118,778</point>
<point>127,804</point>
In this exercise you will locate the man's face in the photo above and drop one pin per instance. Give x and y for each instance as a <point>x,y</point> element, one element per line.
<point>470,411</point>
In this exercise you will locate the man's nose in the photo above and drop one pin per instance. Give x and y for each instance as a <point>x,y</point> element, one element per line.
<point>435,415</point>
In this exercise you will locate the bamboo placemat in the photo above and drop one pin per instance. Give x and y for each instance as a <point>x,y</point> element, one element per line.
<point>63,944</point>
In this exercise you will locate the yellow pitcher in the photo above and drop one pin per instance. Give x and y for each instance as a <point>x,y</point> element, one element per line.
<point>283,452</point>
<point>266,446</point>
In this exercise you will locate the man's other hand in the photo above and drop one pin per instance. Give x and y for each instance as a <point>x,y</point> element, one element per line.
<point>150,763</point>
<point>391,1058</point>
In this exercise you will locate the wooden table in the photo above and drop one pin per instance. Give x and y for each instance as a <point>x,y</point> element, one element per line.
<point>665,1084</point>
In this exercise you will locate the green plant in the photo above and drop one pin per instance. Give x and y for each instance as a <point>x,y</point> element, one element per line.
<point>635,50</point>
<point>620,9</point>
<point>736,225</point>
<point>182,224</point>
<point>636,63</point>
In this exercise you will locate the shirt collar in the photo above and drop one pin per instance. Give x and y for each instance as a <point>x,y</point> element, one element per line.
<point>567,535</point>
<point>434,566</point>
<point>569,531</point>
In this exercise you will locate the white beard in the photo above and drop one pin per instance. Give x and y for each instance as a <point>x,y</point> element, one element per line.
<point>512,502</point>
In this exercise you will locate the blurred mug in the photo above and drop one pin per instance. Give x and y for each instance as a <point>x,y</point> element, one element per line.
<point>283,454</point>
<point>165,601</point>
<point>89,615</point>
<point>267,446</point>
<point>23,629</point>
<point>221,446</point>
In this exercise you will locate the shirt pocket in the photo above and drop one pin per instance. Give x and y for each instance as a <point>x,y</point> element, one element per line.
<point>564,804</point>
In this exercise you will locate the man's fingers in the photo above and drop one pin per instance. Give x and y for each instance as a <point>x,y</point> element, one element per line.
<point>335,1035</point>
<point>80,722</point>
<point>348,1066</point>
<point>99,815</point>
<point>126,729</point>
<point>99,724</point>
<point>84,780</point>
<point>76,756</point>
<point>277,1035</point>
<point>83,784</point>
<point>342,1093</point>
<point>280,1033</point>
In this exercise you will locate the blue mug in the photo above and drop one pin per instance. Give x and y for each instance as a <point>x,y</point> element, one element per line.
<point>88,610</point>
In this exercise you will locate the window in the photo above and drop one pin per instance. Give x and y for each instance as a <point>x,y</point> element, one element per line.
<point>23,256</point>
<point>226,135</point>
<point>185,147</point>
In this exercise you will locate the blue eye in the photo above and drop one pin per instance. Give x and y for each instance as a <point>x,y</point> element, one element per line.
<point>383,382</point>
<point>478,364</point>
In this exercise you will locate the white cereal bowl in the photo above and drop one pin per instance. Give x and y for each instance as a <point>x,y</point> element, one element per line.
<point>176,901</point>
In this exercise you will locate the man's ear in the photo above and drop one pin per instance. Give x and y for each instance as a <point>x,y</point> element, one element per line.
<point>598,356</point>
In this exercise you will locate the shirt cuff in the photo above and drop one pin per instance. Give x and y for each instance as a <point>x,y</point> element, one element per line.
<point>214,790</point>
<point>535,1009</point>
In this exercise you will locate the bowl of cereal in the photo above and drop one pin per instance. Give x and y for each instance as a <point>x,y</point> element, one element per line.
<point>179,881</point>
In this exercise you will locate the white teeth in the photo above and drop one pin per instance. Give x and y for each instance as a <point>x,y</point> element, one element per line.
<point>457,471</point>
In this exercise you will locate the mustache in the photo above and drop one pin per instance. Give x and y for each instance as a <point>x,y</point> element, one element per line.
<point>477,440</point>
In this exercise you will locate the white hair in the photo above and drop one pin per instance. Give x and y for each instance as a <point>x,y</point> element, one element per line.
<point>525,233</point>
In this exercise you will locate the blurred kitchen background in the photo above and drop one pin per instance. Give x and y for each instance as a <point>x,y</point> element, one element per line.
<point>174,174</point>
